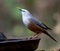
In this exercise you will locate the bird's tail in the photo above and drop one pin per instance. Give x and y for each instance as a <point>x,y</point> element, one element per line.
<point>48,33</point>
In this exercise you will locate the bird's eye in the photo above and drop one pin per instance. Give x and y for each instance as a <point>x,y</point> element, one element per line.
<point>23,11</point>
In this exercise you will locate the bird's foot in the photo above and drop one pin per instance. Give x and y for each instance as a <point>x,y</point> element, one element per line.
<point>29,37</point>
<point>32,37</point>
<point>36,36</point>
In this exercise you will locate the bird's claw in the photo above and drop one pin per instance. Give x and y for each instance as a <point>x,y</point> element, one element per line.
<point>32,37</point>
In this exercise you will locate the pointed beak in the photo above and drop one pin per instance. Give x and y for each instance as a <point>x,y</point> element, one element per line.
<point>20,9</point>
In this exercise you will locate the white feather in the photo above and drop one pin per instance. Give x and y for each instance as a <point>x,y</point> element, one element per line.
<point>25,17</point>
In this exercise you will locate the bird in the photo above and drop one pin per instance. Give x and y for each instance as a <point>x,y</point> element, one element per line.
<point>35,25</point>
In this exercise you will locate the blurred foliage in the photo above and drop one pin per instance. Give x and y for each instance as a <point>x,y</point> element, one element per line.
<point>21,31</point>
<point>12,6</point>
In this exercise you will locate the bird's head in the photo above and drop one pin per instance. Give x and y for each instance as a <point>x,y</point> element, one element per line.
<point>24,12</point>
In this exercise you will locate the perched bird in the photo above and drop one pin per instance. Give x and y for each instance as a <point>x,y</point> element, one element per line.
<point>34,24</point>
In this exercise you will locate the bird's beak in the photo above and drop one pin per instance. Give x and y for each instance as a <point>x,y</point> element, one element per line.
<point>20,9</point>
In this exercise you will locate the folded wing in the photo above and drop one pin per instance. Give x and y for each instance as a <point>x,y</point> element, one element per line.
<point>39,23</point>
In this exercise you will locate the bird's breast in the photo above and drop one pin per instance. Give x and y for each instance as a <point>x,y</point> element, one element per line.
<point>26,21</point>
<point>34,27</point>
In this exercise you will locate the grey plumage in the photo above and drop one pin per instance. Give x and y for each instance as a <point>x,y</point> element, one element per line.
<point>39,23</point>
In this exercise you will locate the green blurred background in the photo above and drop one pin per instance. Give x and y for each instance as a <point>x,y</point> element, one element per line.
<point>48,11</point>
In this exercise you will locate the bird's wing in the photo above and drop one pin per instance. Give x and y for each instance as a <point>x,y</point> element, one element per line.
<point>39,23</point>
